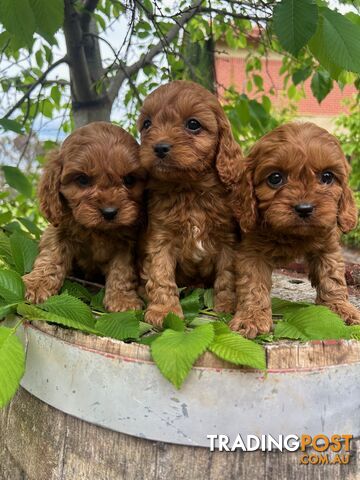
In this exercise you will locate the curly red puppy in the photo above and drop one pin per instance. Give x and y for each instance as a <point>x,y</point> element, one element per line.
<point>186,141</point>
<point>91,192</point>
<point>293,200</point>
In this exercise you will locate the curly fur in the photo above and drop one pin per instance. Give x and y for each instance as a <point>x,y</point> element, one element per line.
<point>191,231</point>
<point>275,234</point>
<point>79,235</point>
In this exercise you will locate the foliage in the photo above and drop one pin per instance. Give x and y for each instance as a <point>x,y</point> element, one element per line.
<point>352,239</point>
<point>348,126</point>
<point>12,364</point>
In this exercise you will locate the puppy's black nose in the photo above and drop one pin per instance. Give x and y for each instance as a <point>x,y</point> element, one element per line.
<point>162,149</point>
<point>304,209</point>
<point>109,213</point>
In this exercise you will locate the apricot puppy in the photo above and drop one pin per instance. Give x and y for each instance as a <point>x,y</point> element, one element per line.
<point>293,200</point>
<point>91,192</point>
<point>186,141</point>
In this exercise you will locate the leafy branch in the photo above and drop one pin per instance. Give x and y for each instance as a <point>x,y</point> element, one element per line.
<point>32,87</point>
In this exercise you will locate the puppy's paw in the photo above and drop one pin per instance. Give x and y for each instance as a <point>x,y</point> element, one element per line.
<point>37,290</point>
<point>122,302</point>
<point>224,302</point>
<point>348,312</point>
<point>155,313</point>
<point>251,326</point>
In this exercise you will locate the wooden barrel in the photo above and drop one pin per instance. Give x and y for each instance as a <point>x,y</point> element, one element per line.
<point>98,409</point>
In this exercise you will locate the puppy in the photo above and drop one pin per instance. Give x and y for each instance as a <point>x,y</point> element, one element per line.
<point>186,141</point>
<point>91,193</point>
<point>293,200</point>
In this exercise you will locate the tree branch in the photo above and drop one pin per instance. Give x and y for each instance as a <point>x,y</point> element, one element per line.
<point>147,58</point>
<point>89,8</point>
<point>233,14</point>
<point>81,81</point>
<point>39,81</point>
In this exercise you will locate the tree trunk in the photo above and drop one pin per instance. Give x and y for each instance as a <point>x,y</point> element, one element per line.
<point>90,101</point>
<point>92,112</point>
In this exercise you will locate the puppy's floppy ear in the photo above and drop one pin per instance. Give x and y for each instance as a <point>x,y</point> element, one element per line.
<point>236,174</point>
<point>243,200</point>
<point>51,204</point>
<point>229,156</point>
<point>347,213</point>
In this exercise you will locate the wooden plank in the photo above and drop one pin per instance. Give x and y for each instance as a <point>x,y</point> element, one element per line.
<point>40,443</point>
<point>282,355</point>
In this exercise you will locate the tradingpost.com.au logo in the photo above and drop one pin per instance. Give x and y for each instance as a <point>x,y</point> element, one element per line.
<point>326,450</point>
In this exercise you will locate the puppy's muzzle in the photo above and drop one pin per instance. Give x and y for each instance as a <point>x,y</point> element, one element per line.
<point>304,209</point>
<point>162,149</point>
<point>109,213</point>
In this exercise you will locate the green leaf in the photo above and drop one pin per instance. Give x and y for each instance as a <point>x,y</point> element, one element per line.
<point>30,226</point>
<point>5,217</point>
<point>39,58</point>
<point>6,310</point>
<point>49,17</point>
<point>242,110</point>
<point>209,298</point>
<point>16,179</point>
<point>281,307</point>
<point>119,325</point>
<point>11,125</point>
<point>148,340</point>
<point>67,306</point>
<point>220,328</point>
<point>143,326</point>
<point>233,348</point>
<point>312,323</point>
<point>295,23</point>
<point>174,322</point>
<point>259,118</point>
<point>5,249</point>
<point>354,331</point>
<point>97,301</point>
<point>56,95</point>
<point>202,321</point>
<point>34,313</point>
<point>266,103</point>
<point>175,352</point>
<point>353,17</point>
<point>18,19</point>
<point>287,330</point>
<point>11,286</point>
<point>12,364</point>
<point>76,290</point>
<point>321,84</point>
<point>301,75</point>
<point>337,41</point>
<point>24,252</point>
<point>258,82</point>
<point>191,304</point>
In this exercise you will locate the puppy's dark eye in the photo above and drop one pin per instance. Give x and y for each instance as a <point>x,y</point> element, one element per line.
<point>83,180</point>
<point>193,125</point>
<point>129,180</point>
<point>275,179</point>
<point>327,178</point>
<point>146,124</point>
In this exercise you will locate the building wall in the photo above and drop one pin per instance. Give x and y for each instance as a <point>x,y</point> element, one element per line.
<point>230,71</point>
